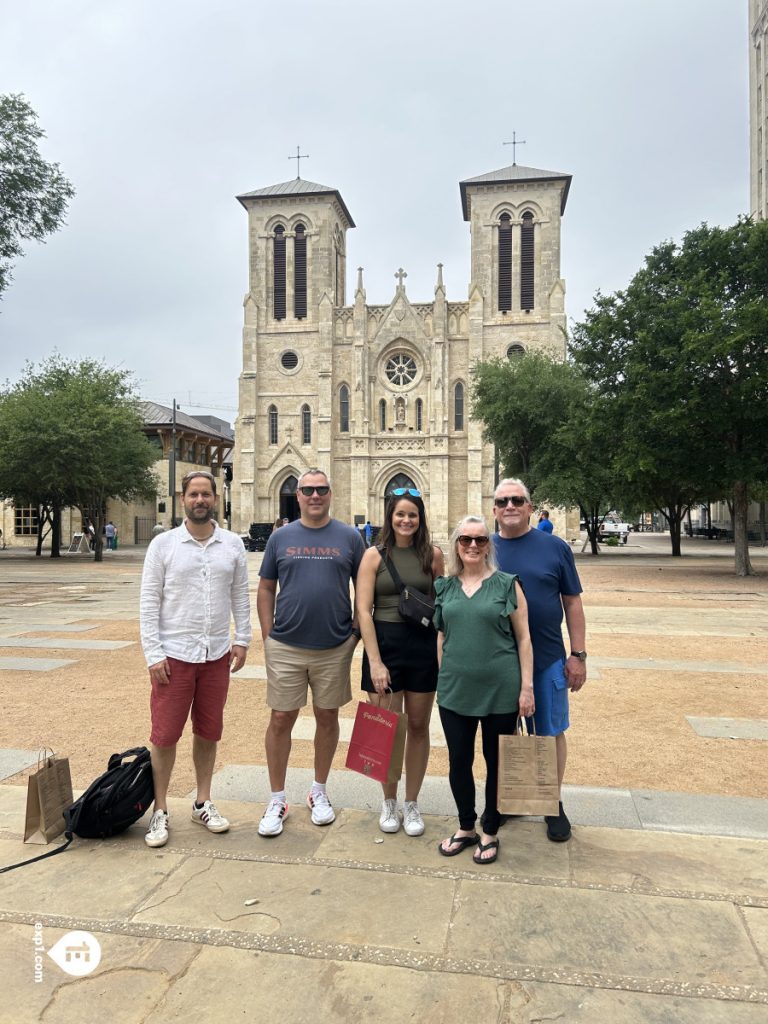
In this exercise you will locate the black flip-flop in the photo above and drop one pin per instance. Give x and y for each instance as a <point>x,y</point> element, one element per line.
<point>463,841</point>
<point>481,848</point>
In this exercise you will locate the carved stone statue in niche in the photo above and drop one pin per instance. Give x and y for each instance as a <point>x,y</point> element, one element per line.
<point>400,414</point>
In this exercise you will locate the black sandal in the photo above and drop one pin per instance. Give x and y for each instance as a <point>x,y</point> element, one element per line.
<point>477,856</point>
<point>463,841</point>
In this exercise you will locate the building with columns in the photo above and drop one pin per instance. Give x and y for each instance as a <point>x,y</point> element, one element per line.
<point>378,395</point>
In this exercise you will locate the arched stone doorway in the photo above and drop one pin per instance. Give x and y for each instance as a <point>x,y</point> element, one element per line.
<point>289,504</point>
<point>398,480</point>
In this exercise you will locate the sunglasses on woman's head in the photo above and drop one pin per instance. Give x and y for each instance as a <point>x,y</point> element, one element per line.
<point>309,491</point>
<point>517,500</point>
<point>400,491</point>
<point>466,541</point>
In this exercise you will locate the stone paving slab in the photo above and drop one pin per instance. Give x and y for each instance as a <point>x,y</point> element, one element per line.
<point>53,627</point>
<point>671,621</point>
<point>730,728</point>
<point>714,815</point>
<point>13,761</point>
<point>66,645</point>
<point>33,664</point>
<point>680,665</point>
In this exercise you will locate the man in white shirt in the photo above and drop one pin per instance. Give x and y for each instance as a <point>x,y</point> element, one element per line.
<point>195,577</point>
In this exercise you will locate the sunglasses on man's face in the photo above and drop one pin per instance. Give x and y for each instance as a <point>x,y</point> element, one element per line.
<point>466,541</point>
<point>400,491</point>
<point>309,491</point>
<point>516,499</point>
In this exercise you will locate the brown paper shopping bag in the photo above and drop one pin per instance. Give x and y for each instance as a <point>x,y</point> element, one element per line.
<point>377,743</point>
<point>49,792</point>
<point>528,773</point>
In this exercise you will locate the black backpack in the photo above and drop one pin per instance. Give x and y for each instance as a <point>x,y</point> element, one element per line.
<point>111,804</point>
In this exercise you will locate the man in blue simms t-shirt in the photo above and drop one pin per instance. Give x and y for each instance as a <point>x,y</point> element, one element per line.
<point>309,638</point>
<point>552,587</point>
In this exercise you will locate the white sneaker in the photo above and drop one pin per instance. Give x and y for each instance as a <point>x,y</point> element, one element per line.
<point>413,823</point>
<point>157,833</point>
<point>274,816</point>
<point>208,815</point>
<point>322,812</point>
<point>389,819</point>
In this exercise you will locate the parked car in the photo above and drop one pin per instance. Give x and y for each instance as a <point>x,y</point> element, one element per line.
<point>610,529</point>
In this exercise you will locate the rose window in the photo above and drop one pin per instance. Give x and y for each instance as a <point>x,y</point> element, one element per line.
<point>400,369</point>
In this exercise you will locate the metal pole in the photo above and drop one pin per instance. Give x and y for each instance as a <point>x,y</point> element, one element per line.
<point>172,468</point>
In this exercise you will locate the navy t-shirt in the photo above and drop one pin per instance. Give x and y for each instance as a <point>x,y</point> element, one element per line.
<point>547,570</point>
<point>313,568</point>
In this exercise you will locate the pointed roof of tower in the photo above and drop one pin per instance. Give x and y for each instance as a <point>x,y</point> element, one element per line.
<point>513,175</point>
<point>297,187</point>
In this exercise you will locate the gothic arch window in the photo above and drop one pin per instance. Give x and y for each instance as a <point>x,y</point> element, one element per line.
<point>300,272</point>
<point>278,273</point>
<point>344,409</point>
<point>419,414</point>
<point>515,352</point>
<point>400,480</point>
<point>306,425</point>
<point>382,414</point>
<point>526,261</point>
<point>505,263</point>
<point>458,406</point>
<point>341,267</point>
<point>272,417</point>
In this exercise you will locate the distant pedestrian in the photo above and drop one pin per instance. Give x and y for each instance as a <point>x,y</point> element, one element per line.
<point>368,533</point>
<point>110,533</point>
<point>544,523</point>
<point>277,524</point>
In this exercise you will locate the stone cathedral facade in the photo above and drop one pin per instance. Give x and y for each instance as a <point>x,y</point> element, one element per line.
<point>379,395</point>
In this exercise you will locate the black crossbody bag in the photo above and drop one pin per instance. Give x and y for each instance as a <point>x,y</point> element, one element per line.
<point>415,607</point>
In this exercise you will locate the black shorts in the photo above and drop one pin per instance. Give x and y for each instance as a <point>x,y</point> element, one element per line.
<point>410,654</point>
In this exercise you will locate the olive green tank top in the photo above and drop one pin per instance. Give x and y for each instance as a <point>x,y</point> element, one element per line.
<point>386,595</point>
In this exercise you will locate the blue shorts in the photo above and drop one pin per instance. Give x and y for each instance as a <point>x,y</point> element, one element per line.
<point>550,690</point>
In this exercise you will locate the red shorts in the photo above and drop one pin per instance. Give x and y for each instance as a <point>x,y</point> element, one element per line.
<point>200,686</point>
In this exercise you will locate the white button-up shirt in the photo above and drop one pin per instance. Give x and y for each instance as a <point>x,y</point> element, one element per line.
<point>189,588</point>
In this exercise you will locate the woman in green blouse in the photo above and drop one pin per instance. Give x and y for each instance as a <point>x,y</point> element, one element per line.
<point>486,675</point>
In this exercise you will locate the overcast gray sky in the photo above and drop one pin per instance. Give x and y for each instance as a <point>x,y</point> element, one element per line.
<point>161,112</point>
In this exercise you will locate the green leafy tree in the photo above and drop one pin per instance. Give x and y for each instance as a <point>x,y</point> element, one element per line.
<point>71,435</point>
<point>33,193</point>
<point>549,429</point>
<point>682,353</point>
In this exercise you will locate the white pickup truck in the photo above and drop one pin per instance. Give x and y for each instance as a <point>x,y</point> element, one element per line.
<point>608,528</point>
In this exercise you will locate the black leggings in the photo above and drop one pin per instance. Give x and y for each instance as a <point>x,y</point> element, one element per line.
<point>460,732</point>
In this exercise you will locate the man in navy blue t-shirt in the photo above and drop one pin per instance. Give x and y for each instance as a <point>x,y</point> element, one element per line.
<point>552,587</point>
<point>309,638</point>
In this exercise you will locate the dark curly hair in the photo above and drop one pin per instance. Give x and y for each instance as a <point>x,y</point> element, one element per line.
<point>422,542</point>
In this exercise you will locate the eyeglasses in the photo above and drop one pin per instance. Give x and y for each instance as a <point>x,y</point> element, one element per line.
<point>516,499</point>
<point>309,491</point>
<point>398,492</point>
<point>466,541</point>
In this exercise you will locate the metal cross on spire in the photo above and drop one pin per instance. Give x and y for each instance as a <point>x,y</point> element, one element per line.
<point>400,274</point>
<point>514,144</point>
<point>299,156</point>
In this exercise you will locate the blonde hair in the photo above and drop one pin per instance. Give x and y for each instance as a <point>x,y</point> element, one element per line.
<point>453,562</point>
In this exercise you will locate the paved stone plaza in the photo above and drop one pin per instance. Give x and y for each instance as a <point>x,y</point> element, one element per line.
<point>656,911</point>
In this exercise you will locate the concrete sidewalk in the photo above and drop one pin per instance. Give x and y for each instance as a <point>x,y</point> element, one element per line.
<point>342,923</point>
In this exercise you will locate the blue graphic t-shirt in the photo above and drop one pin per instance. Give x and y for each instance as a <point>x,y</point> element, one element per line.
<point>547,570</point>
<point>313,568</point>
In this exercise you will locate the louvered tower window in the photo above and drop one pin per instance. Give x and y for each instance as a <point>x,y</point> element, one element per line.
<point>272,416</point>
<point>344,409</point>
<point>306,425</point>
<point>526,262</point>
<point>382,415</point>
<point>300,273</point>
<point>419,414</point>
<point>458,407</point>
<point>505,263</point>
<point>278,269</point>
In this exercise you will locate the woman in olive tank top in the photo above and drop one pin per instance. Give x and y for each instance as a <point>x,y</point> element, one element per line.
<point>400,660</point>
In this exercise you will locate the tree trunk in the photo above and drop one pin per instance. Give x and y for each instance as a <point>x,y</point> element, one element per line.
<point>56,532</point>
<point>675,520</point>
<point>740,533</point>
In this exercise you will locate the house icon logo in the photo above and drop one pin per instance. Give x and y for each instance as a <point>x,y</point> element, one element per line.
<point>76,953</point>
